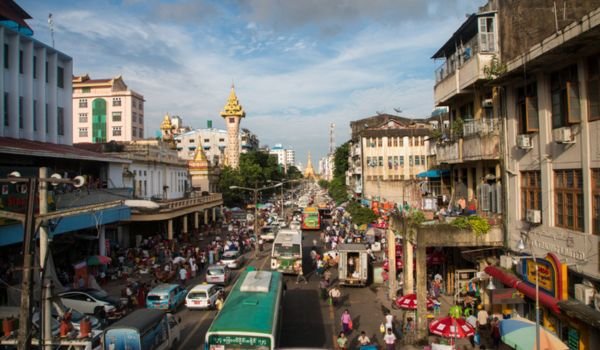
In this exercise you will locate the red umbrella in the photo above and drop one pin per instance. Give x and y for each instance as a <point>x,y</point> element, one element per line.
<point>450,327</point>
<point>409,301</point>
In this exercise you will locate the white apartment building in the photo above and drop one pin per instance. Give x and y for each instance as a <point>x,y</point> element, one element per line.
<point>212,141</point>
<point>35,80</point>
<point>106,110</point>
<point>290,157</point>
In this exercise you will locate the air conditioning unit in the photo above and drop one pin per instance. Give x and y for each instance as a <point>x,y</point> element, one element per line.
<point>524,141</point>
<point>584,293</point>
<point>533,216</point>
<point>597,301</point>
<point>487,103</point>
<point>506,261</point>
<point>563,135</point>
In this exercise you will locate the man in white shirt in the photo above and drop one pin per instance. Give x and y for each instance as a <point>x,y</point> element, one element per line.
<point>482,317</point>
<point>182,275</point>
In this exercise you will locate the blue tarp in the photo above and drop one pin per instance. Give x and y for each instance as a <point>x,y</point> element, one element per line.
<point>433,173</point>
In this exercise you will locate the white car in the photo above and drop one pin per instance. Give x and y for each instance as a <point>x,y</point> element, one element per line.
<point>233,259</point>
<point>218,274</point>
<point>268,233</point>
<point>90,301</point>
<point>203,296</point>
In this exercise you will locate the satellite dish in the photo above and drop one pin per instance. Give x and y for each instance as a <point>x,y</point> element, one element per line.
<point>78,181</point>
<point>55,176</point>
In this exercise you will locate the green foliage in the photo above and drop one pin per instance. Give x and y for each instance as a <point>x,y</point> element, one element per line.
<point>457,127</point>
<point>477,224</point>
<point>293,173</point>
<point>340,160</point>
<point>324,184</point>
<point>415,218</point>
<point>338,190</point>
<point>360,215</point>
<point>495,69</point>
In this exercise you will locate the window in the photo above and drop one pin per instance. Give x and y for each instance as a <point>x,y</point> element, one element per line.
<point>417,160</point>
<point>231,120</point>
<point>565,97</point>
<point>141,119</point>
<point>34,67</point>
<point>395,142</point>
<point>116,116</point>
<point>134,117</point>
<point>390,162</point>
<point>141,105</point>
<point>380,161</point>
<point>6,65</point>
<point>207,140</point>
<point>20,112</point>
<point>401,142</point>
<point>410,160</point>
<point>220,140</point>
<point>83,132</point>
<point>369,161</point>
<point>60,121</point>
<point>389,142</point>
<point>569,199</point>
<point>116,131</point>
<point>410,142</point>
<point>527,109</point>
<point>116,101</point>
<point>86,90</point>
<point>191,140</point>
<point>134,131</point>
<point>83,103</point>
<point>395,162</point>
<point>83,117</point>
<point>487,41</point>
<point>20,61</point>
<point>422,141</point>
<point>596,201</point>
<point>6,120</point>
<point>379,142</point>
<point>141,133</point>
<point>594,88</point>
<point>531,191</point>
<point>60,77</point>
<point>422,160</point>
<point>402,161</point>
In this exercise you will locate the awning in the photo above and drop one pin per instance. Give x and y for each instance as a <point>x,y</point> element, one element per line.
<point>508,279</point>
<point>580,311</point>
<point>433,173</point>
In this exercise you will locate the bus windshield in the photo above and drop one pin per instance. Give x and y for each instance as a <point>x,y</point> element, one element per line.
<point>291,250</point>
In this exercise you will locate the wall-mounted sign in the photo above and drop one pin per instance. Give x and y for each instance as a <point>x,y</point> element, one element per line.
<point>552,275</point>
<point>507,296</point>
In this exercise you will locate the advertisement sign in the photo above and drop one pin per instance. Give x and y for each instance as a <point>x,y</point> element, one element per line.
<point>241,341</point>
<point>552,275</point>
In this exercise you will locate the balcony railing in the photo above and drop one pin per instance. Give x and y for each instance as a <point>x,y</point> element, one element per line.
<point>482,126</point>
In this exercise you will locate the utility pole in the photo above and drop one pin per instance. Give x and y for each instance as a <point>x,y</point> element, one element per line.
<point>421,286</point>
<point>392,280</point>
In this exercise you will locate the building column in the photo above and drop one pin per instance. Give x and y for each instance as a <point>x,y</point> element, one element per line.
<point>214,214</point>
<point>586,172</point>
<point>421,286</point>
<point>545,138</point>
<point>205,216</point>
<point>185,224</point>
<point>170,229</point>
<point>196,220</point>
<point>102,240</point>
<point>470,182</point>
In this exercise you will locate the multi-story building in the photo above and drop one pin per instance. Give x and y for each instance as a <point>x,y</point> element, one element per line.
<point>35,81</point>
<point>550,104</point>
<point>106,110</point>
<point>470,149</point>
<point>326,167</point>
<point>290,157</point>
<point>386,154</point>
<point>285,157</point>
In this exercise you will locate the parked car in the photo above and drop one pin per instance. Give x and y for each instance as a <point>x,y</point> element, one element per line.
<point>90,301</point>
<point>203,296</point>
<point>166,296</point>
<point>219,274</point>
<point>268,233</point>
<point>233,259</point>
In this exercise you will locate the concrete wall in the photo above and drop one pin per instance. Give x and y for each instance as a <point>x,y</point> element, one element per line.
<point>446,235</point>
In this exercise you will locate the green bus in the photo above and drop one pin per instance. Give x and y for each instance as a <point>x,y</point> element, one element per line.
<point>286,253</point>
<point>251,316</point>
<point>311,219</point>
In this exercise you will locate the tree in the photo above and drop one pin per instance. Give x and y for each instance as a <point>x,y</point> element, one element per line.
<point>324,184</point>
<point>293,173</point>
<point>340,160</point>
<point>360,215</point>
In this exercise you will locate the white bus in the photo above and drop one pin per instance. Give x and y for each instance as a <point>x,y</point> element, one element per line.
<point>286,254</point>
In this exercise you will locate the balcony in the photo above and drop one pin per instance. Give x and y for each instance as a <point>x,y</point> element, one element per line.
<point>451,82</point>
<point>481,139</point>
<point>449,152</point>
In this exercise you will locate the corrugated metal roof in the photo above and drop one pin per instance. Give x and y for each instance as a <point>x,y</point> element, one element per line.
<point>10,145</point>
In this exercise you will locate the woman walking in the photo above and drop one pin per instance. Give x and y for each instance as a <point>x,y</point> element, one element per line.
<point>346,322</point>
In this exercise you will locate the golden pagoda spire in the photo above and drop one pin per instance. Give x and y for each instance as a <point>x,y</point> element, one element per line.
<point>309,172</point>
<point>232,107</point>
<point>166,123</point>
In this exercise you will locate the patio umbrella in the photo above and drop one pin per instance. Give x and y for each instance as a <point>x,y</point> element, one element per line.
<point>409,301</point>
<point>95,260</point>
<point>519,333</point>
<point>450,327</point>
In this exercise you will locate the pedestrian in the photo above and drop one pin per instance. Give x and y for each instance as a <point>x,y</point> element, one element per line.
<point>342,341</point>
<point>182,275</point>
<point>193,267</point>
<point>219,302</point>
<point>300,277</point>
<point>389,321</point>
<point>389,339</point>
<point>496,332</point>
<point>334,295</point>
<point>346,320</point>
<point>363,340</point>
<point>482,317</point>
<point>323,285</point>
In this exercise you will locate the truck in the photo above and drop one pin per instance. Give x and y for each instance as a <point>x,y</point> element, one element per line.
<point>143,329</point>
<point>353,266</point>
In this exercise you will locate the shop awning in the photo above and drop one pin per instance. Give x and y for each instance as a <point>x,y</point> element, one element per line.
<point>580,311</point>
<point>508,279</point>
<point>433,173</point>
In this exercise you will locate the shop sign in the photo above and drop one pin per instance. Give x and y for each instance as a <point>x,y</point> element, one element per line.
<point>552,275</point>
<point>507,296</point>
<point>243,341</point>
<point>545,274</point>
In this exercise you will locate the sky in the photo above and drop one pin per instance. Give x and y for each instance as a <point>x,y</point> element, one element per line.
<point>298,65</point>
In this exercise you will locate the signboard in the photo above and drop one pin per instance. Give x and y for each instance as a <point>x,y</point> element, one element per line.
<point>243,341</point>
<point>507,296</point>
<point>552,275</point>
<point>545,273</point>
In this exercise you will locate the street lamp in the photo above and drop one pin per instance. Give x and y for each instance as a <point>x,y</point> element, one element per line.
<point>521,247</point>
<point>255,192</point>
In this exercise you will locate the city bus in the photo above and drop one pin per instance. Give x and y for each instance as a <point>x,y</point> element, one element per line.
<point>251,316</point>
<point>286,253</point>
<point>311,220</point>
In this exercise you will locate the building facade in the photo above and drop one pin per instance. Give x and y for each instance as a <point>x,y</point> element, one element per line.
<point>35,81</point>
<point>106,110</point>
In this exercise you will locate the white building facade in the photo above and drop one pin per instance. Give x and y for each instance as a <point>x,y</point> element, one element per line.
<point>35,81</point>
<point>106,110</point>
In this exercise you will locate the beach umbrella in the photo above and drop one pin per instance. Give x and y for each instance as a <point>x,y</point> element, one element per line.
<point>450,327</point>
<point>96,260</point>
<point>519,333</point>
<point>409,301</point>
